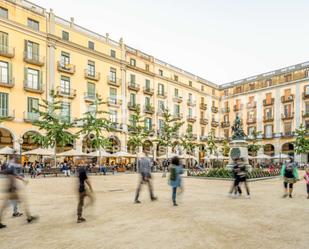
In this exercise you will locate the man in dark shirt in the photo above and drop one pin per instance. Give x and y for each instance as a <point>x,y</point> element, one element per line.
<point>83,192</point>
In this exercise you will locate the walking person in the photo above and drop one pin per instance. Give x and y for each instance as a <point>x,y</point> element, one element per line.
<point>13,195</point>
<point>175,180</point>
<point>144,169</point>
<point>240,176</point>
<point>290,176</point>
<point>306,177</point>
<point>83,192</point>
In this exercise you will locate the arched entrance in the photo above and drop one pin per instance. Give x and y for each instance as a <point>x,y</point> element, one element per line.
<point>202,151</point>
<point>6,138</point>
<point>148,147</point>
<point>269,150</point>
<point>28,142</point>
<point>115,144</point>
<point>288,148</point>
<point>131,148</point>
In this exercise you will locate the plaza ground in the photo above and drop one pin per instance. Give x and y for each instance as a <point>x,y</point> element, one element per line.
<point>205,218</point>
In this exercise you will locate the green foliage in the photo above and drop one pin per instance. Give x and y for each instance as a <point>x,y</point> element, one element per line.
<point>169,132</point>
<point>211,144</point>
<point>94,124</point>
<point>54,126</point>
<point>301,144</point>
<point>254,147</point>
<point>225,150</point>
<point>187,141</point>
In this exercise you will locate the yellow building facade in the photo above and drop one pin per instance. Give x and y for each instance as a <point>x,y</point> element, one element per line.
<point>41,52</point>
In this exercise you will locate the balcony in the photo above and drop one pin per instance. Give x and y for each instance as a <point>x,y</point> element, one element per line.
<point>268,119</point>
<point>5,114</point>
<point>238,107</point>
<point>66,68</point>
<point>251,121</point>
<point>287,134</point>
<point>214,109</point>
<point>92,75</point>
<point>287,116</point>
<point>117,127</point>
<point>306,114</point>
<point>203,106</point>
<point>149,109</point>
<point>177,116</point>
<point>203,138</point>
<point>133,106</point>
<point>251,105</point>
<point>268,102</point>
<point>34,59</point>
<point>33,88</point>
<point>30,117</point>
<point>225,110</point>
<point>214,123</point>
<point>203,121</point>
<point>7,52</point>
<point>91,97</point>
<point>148,91</point>
<point>268,136</point>
<point>133,86</point>
<point>66,93</point>
<point>286,99</point>
<point>191,102</point>
<point>8,83</point>
<point>305,95</point>
<point>177,99</point>
<point>162,95</point>
<point>113,102</point>
<point>113,81</point>
<point>225,124</point>
<point>191,118</point>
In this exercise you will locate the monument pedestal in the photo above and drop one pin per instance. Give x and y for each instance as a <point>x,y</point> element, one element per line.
<point>239,147</point>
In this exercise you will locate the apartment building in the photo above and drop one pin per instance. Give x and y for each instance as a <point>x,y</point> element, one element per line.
<point>41,52</point>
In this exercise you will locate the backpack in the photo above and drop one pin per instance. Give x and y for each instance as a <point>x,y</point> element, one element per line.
<point>173,174</point>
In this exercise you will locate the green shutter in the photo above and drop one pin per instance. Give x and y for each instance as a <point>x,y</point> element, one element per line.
<point>26,46</point>
<point>25,74</point>
<point>40,80</point>
<point>10,72</point>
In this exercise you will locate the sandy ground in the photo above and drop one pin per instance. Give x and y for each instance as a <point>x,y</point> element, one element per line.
<point>205,218</point>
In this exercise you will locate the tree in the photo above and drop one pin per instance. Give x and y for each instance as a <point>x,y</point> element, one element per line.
<point>169,130</point>
<point>187,141</point>
<point>225,150</point>
<point>93,125</point>
<point>301,143</point>
<point>211,144</point>
<point>54,126</point>
<point>254,147</point>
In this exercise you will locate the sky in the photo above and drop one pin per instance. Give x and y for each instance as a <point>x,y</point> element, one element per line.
<point>219,40</point>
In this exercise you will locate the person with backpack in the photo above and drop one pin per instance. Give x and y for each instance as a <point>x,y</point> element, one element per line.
<point>175,180</point>
<point>290,176</point>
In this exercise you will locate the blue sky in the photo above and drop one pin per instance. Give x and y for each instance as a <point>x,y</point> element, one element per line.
<point>220,40</point>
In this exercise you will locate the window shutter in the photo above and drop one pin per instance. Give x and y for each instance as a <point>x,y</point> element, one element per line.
<point>26,46</point>
<point>26,74</point>
<point>41,80</point>
<point>10,72</point>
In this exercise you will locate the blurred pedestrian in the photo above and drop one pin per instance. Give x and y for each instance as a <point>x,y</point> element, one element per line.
<point>290,176</point>
<point>306,177</point>
<point>175,180</point>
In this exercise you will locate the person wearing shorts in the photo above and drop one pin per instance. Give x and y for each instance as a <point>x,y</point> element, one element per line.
<point>290,177</point>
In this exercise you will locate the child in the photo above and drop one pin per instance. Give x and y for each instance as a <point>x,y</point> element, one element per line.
<point>175,180</point>
<point>306,177</point>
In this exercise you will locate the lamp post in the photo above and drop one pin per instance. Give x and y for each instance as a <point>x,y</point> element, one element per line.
<point>20,142</point>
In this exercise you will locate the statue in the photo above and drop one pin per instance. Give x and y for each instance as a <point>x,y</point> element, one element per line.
<point>238,132</point>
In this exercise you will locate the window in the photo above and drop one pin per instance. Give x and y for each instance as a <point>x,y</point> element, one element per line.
<point>4,72</point>
<point>65,59</point>
<point>176,92</point>
<point>202,88</point>
<point>32,50</point>
<point>91,45</point>
<point>32,106</point>
<point>226,118</point>
<point>133,120</point>
<point>4,42</point>
<point>251,129</point>
<point>268,113</point>
<point>65,85</point>
<point>238,89</point>
<point>213,92</point>
<point>306,90</point>
<point>147,84</point>
<point>113,95</point>
<point>176,110</point>
<point>190,97</point>
<point>65,35</point>
<point>32,78</point>
<point>133,62</point>
<point>190,83</point>
<point>65,111</point>
<point>288,128</point>
<point>251,86</point>
<point>113,53</point>
<point>175,77</point>
<point>160,89</point>
<point>226,133</point>
<point>161,106</point>
<point>190,112</point>
<point>148,124</point>
<point>307,107</point>
<point>147,67</point>
<point>202,131</point>
<point>33,24</point>
<point>132,79</point>
<point>288,77</point>
<point>4,13</point>
<point>113,116</point>
<point>147,102</point>
<point>268,131</point>
<point>226,92</point>
<point>91,68</point>
<point>161,124</point>
<point>91,90</point>
<point>133,99</point>
<point>4,104</point>
<point>269,82</point>
<point>287,110</point>
<point>251,115</point>
<point>202,100</point>
<point>112,75</point>
<point>160,72</point>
